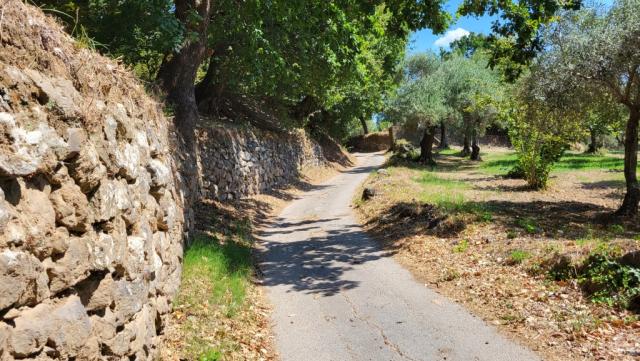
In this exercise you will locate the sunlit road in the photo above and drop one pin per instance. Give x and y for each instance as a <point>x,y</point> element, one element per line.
<point>337,296</point>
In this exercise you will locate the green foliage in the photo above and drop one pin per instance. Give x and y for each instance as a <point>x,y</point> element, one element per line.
<point>616,229</point>
<point>456,90</point>
<point>461,247</point>
<point>210,355</point>
<point>529,225</point>
<point>516,37</point>
<point>518,256</point>
<point>140,32</point>
<point>608,281</point>
<point>539,134</point>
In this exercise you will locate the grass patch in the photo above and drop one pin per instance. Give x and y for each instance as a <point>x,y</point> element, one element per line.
<point>225,268</point>
<point>498,163</point>
<point>449,151</point>
<point>501,163</point>
<point>445,193</point>
<point>212,304</point>
<point>461,247</point>
<point>529,225</point>
<point>518,256</point>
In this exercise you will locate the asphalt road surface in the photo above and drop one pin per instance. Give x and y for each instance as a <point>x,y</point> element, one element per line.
<point>338,296</point>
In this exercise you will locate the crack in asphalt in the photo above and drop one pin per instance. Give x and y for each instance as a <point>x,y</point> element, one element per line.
<point>390,345</point>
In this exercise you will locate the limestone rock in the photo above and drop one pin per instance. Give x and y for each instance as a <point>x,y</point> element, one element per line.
<point>22,279</point>
<point>110,199</point>
<point>129,297</point>
<point>71,207</point>
<point>60,92</point>
<point>76,138</point>
<point>73,267</point>
<point>160,173</point>
<point>87,170</point>
<point>64,324</point>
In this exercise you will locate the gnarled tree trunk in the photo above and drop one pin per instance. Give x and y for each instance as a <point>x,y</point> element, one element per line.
<point>426,146</point>
<point>475,146</point>
<point>177,74</point>
<point>629,206</point>
<point>176,78</point>
<point>466,146</point>
<point>444,144</point>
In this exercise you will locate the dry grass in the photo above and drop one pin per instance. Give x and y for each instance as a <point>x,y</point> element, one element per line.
<point>494,265</point>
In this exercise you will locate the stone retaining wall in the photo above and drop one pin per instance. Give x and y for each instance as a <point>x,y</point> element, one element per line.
<point>91,218</point>
<point>236,163</point>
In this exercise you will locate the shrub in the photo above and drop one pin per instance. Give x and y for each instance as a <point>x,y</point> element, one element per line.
<point>608,281</point>
<point>529,225</point>
<point>405,150</point>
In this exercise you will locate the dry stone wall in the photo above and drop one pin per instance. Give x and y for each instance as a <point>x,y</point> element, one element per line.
<point>236,163</point>
<point>91,217</point>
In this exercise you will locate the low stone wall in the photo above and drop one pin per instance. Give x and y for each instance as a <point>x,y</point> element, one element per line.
<point>91,219</point>
<point>236,163</point>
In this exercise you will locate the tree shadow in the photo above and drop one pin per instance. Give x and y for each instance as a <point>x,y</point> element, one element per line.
<point>569,220</point>
<point>314,264</point>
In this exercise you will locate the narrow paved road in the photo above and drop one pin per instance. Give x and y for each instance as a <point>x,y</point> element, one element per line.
<point>338,296</point>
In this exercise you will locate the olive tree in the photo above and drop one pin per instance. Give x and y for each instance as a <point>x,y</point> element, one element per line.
<point>470,88</point>
<point>596,50</point>
<point>419,101</point>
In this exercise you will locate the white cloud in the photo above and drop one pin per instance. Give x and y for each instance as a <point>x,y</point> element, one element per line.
<point>450,37</point>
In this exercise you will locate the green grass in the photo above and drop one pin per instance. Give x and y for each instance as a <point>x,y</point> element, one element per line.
<point>501,163</point>
<point>215,283</point>
<point>461,247</point>
<point>445,193</point>
<point>498,163</point>
<point>518,256</point>
<point>450,151</point>
<point>226,267</point>
<point>529,225</point>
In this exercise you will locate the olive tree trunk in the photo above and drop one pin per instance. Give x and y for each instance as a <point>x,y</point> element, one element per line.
<point>176,78</point>
<point>475,146</point>
<point>426,146</point>
<point>444,143</point>
<point>629,206</point>
<point>466,146</point>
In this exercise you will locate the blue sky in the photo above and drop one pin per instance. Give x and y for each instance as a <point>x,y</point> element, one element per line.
<point>424,40</point>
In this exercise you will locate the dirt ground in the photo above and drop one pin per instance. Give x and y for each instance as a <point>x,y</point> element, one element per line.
<point>488,254</point>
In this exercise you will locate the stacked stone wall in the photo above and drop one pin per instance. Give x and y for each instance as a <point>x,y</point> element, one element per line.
<point>238,162</point>
<point>91,218</point>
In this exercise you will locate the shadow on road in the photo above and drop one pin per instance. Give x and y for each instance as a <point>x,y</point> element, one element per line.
<point>316,264</point>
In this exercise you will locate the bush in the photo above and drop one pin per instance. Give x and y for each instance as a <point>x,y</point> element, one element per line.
<point>405,150</point>
<point>536,160</point>
<point>608,281</point>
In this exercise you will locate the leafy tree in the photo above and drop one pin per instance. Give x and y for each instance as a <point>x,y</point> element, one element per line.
<point>470,89</point>
<point>419,101</point>
<point>594,51</point>
<point>539,132</point>
<point>516,37</point>
<point>140,32</point>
